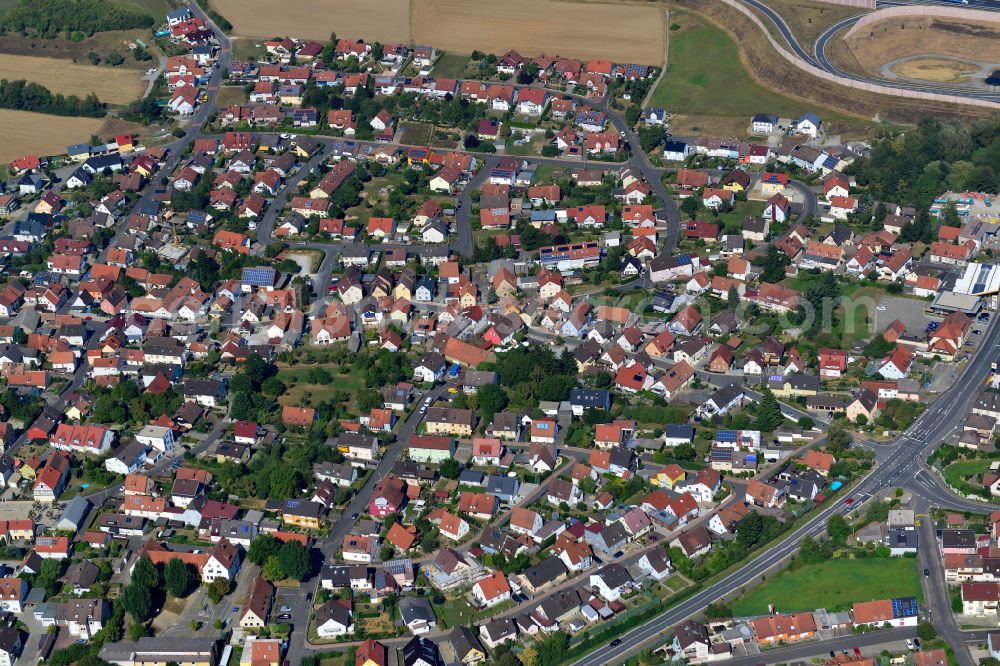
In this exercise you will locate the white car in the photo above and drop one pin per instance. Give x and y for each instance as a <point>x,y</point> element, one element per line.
<point>909,645</point>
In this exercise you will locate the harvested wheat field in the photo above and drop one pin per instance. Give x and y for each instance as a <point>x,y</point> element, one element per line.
<point>579,30</point>
<point>27,133</point>
<point>373,20</point>
<point>895,39</point>
<point>113,85</point>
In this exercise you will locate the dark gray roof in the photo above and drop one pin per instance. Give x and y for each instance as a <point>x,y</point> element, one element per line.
<point>590,398</point>
<point>421,650</point>
<point>958,539</point>
<point>413,609</point>
<point>464,642</point>
<point>545,571</point>
<point>75,511</point>
<point>471,477</point>
<point>501,485</point>
<point>902,538</point>
<point>333,610</point>
<point>678,430</point>
<point>614,575</point>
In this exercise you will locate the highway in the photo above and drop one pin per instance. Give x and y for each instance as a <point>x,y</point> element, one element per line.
<point>819,58</point>
<point>899,464</point>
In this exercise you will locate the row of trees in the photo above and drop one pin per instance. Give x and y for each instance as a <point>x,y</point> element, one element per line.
<point>47,18</point>
<point>23,96</point>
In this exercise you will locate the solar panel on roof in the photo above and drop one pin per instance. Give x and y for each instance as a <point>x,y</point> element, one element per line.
<point>904,607</point>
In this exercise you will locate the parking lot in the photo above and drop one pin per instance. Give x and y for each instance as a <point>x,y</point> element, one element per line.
<point>910,311</point>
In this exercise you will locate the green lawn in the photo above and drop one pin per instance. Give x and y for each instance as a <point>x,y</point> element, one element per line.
<point>859,317</point>
<point>297,387</point>
<point>456,612</point>
<point>833,585</point>
<point>230,95</point>
<point>733,220</point>
<point>244,49</point>
<point>156,8</point>
<point>450,66</point>
<point>705,76</point>
<point>957,473</point>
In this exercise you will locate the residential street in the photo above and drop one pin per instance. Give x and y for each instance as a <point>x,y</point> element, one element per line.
<point>899,463</point>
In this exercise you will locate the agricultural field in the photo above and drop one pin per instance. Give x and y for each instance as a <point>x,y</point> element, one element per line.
<point>833,585</point>
<point>114,85</point>
<point>24,133</point>
<point>377,20</point>
<point>584,30</point>
<point>949,51</point>
<point>590,30</point>
<point>422,134</point>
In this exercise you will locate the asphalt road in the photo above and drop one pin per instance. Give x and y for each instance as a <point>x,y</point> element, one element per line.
<point>820,60</point>
<point>331,543</point>
<point>871,645</point>
<point>463,224</point>
<point>896,468</point>
<point>898,464</point>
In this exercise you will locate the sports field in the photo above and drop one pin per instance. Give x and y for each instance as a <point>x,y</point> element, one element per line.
<point>374,20</point>
<point>114,85</point>
<point>833,585</point>
<point>27,133</point>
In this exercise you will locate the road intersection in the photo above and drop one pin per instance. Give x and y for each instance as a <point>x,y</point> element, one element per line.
<point>897,464</point>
